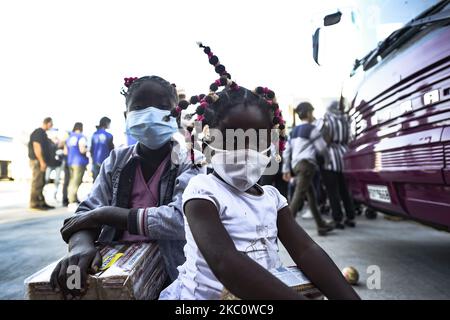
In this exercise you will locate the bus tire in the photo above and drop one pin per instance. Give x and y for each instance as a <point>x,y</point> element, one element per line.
<point>370,214</point>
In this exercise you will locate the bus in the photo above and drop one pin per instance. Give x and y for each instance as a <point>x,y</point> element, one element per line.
<point>6,145</point>
<point>397,97</point>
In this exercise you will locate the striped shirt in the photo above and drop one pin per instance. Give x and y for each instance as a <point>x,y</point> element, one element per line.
<point>336,127</point>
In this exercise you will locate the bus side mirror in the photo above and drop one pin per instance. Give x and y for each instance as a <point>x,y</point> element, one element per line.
<point>315,40</point>
<point>328,20</point>
<point>332,19</point>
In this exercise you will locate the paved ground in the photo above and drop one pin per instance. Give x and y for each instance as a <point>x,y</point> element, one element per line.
<point>414,260</point>
<point>29,240</point>
<point>26,247</point>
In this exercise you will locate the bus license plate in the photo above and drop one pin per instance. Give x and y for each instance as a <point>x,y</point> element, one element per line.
<point>379,193</point>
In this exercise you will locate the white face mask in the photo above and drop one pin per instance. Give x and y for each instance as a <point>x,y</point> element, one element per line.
<point>240,168</point>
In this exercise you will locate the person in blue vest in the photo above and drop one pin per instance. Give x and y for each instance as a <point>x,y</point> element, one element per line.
<point>76,149</point>
<point>101,145</point>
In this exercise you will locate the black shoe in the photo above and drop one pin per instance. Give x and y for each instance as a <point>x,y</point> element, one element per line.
<point>350,223</point>
<point>339,225</point>
<point>323,230</point>
<point>49,207</point>
<point>39,208</point>
<point>324,210</point>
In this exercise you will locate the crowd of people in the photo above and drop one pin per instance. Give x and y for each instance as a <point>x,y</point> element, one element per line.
<point>69,155</point>
<point>216,227</point>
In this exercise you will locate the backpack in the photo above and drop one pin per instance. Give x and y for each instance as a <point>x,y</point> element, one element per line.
<point>53,159</point>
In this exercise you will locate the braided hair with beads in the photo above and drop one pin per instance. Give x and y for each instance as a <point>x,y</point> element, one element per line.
<point>214,106</point>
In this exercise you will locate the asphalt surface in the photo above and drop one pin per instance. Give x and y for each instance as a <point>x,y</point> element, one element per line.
<point>26,247</point>
<point>413,259</point>
<point>29,240</point>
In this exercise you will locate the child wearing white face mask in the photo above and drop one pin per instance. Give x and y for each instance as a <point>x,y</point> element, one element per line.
<point>232,224</point>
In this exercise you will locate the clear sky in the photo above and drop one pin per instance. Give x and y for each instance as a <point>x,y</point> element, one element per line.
<point>68,59</point>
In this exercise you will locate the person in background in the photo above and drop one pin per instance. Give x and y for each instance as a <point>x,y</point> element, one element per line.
<point>38,153</point>
<point>300,157</point>
<point>76,149</point>
<point>337,132</point>
<point>65,193</point>
<point>55,161</point>
<point>319,186</point>
<point>101,145</point>
<point>66,169</point>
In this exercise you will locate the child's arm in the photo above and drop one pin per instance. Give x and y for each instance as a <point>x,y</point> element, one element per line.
<point>238,273</point>
<point>312,259</point>
<point>164,222</point>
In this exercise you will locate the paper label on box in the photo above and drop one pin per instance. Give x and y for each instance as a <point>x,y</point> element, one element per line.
<point>291,276</point>
<point>131,256</point>
<point>109,260</point>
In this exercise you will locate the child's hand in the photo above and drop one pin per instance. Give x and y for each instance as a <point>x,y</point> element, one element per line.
<point>87,259</point>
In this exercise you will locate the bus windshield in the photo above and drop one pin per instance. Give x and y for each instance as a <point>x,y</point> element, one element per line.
<point>362,27</point>
<point>376,19</point>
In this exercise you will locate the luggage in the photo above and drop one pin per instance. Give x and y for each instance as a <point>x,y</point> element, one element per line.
<point>128,272</point>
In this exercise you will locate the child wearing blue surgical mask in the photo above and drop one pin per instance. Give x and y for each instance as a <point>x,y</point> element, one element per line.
<point>137,194</point>
<point>232,223</point>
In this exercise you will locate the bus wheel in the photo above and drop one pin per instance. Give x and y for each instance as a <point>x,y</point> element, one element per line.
<point>370,214</point>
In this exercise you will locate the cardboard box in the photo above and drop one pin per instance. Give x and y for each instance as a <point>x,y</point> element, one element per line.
<point>128,272</point>
<point>292,277</point>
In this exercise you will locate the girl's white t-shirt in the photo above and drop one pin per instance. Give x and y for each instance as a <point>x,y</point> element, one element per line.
<point>251,222</point>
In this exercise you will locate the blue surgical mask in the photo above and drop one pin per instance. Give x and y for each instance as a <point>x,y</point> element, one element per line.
<point>148,126</point>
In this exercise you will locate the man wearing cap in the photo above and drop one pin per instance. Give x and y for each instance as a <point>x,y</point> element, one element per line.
<point>101,145</point>
<point>300,159</point>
